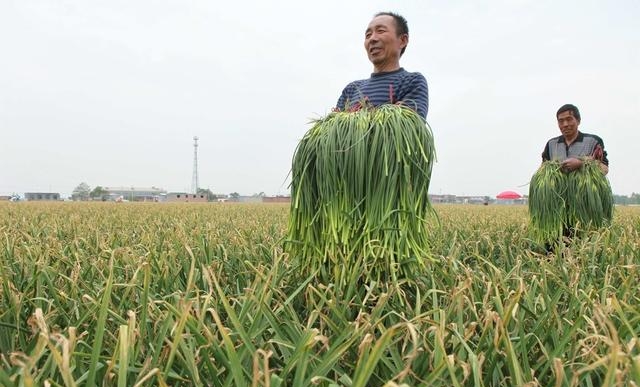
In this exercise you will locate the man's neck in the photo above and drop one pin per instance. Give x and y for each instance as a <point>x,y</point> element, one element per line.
<point>386,68</point>
<point>570,141</point>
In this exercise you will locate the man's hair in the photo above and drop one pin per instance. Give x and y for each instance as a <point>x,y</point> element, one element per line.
<point>569,108</point>
<point>401,25</point>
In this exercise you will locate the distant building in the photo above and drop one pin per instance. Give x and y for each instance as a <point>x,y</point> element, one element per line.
<point>221,198</point>
<point>41,196</point>
<point>472,199</point>
<point>246,199</point>
<point>454,199</point>
<point>183,197</point>
<point>5,198</point>
<point>522,200</point>
<point>135,194</point>
<point>442,198</point>
<point>276,199</point>
<point>257,199</point>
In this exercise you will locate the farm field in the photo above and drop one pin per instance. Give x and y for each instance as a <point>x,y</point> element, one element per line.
<point>135,294</point>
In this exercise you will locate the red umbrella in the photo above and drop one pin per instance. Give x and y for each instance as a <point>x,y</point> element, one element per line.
<point>508,195</point>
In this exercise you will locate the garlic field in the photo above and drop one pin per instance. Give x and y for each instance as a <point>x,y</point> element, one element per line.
<point>134,294</point>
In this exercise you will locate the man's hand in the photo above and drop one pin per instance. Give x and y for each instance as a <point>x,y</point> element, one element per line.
<point>571,164</point>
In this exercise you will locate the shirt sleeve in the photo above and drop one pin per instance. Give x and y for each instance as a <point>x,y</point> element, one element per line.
<point>417,95</point>
<point>346,97</point>
<point>342,100</point>
<point>599,153</point>
<point>545,153</point>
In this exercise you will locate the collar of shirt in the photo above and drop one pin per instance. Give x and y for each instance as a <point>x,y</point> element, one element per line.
<point>578,139</point>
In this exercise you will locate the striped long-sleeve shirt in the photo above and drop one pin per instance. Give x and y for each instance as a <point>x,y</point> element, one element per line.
<point>399,86</point>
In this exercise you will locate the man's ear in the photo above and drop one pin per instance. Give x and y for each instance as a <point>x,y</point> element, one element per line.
<point>405,39</point>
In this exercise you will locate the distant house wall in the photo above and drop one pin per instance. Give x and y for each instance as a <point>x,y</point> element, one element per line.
<point>136,194</point>
<point>257,199</point>
<point>512,201</point>
<point>442,198</point>
<point>41,196</point>
<point>276,199</point>
<point>182,197</point>
<point>248,199</point>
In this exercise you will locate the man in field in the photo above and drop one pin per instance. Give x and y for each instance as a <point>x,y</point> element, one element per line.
<point>571,148</point>
<point>573,145</point>
<point>385,40</point>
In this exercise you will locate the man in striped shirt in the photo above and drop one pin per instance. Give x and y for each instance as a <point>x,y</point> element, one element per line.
<point>385,41</point>
<point>573,145</point>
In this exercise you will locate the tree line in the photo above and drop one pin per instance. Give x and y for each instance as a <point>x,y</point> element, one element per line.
<point>626,200</point>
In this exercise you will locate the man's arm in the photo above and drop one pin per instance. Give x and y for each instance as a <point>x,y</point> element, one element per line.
<point>573,163</point>
<point>417,96</point>
<point>598,154</point>
<point>344,96</point>
<point>603,167</point>
<point>351,99</point>
<point>545,153</point>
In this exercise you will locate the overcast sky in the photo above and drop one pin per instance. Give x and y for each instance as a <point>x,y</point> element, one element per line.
<point>112,92</point>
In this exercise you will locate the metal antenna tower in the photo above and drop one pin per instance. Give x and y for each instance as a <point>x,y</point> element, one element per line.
<point>194,179</point>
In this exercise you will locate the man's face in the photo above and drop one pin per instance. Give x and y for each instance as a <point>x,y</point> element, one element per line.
<point>568,124</point>
<point>381,41</point>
